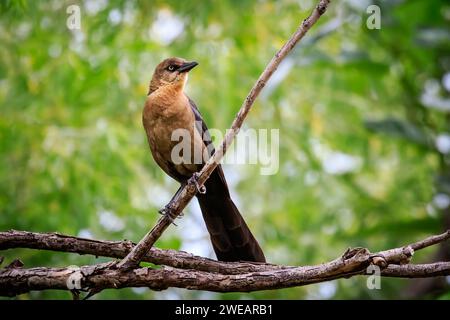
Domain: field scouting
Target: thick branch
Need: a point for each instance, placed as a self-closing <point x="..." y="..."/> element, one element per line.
<point x="182" y="198"/>
<point x="98" y="277"/>
<point x="210" y="275"/>
<point x="119" y="249"/>
<point x="177" y="259"/>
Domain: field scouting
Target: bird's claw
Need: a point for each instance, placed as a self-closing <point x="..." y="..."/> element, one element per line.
<point x="167" y="211"/>
<point x="200" y="189"/>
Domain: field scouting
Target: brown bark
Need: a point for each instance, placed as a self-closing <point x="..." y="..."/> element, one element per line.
<point x="99" y="277"/>
<point x="119" y="249"/>
<point x="201" y="273"/>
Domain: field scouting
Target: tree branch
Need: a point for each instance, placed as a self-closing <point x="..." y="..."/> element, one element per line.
<point x="196" y="273"/>
<point x="176" y="259"/>
<point x="119" y="249"/>
<point x="16" y="280"/>
<point x="19" y="281"/>
<point x="182" y="198"/>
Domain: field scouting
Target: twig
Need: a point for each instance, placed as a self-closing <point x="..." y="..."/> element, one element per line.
<point x="181" y="199"/>
<point x="431" y="241"/>
<point x="417" y="270"/>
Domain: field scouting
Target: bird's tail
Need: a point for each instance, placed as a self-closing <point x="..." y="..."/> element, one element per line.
<point x="230" y="236"/>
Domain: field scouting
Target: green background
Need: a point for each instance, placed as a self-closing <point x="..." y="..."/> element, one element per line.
<point x="363" y="115"/>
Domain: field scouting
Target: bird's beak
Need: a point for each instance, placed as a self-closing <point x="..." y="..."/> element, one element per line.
<point x="187" y="66"/>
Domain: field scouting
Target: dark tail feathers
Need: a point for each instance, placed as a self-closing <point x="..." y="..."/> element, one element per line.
<point x="231" y="238"/>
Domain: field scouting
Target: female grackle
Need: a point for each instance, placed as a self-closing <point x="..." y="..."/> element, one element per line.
<point x="168" y="109"/>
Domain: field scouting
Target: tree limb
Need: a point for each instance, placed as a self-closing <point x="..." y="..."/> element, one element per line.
<point x="199" y="273"/>
<point x="173" y="258"/>
<point x="119" y="249"/>
<point x="182" y="198"/>
<point x="19" y="281"/>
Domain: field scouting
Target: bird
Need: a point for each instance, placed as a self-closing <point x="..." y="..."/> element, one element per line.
<point x="167" y="108"/>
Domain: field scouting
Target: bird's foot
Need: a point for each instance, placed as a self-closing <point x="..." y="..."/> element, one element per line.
<point x="167" y="211"/>
<point x="200" y="189"/>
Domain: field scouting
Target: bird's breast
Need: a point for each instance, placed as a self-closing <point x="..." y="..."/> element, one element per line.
<point x="166" y="122"/>
<point x="163" y="116"/>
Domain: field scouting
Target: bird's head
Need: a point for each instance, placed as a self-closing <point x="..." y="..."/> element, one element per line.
<point x="171" y="72"/>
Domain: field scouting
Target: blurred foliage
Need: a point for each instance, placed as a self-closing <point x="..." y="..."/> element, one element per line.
<point x="359" y="159"/>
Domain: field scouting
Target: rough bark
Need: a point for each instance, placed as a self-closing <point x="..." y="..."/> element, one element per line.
<point x="99" y="277"/>
<point x="201" y="273"/>
<point x="119" y="249"/>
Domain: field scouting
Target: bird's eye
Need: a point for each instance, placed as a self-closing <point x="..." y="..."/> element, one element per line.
<point x="171" y="67"/>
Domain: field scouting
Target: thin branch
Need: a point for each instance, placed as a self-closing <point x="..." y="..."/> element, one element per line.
<point x="431" y="240"/>
<point x="417" y="270"/>
<point x="181" y="199"/>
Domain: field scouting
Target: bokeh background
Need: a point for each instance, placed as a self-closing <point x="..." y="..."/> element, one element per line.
<point x="364" y="120"/>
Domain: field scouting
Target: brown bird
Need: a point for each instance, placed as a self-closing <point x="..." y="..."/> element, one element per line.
<point x="167" y="109"/>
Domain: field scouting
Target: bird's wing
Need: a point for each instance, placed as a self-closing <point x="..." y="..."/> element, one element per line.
<point x="201" y="127"/>
<point x="203" y="130"/>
